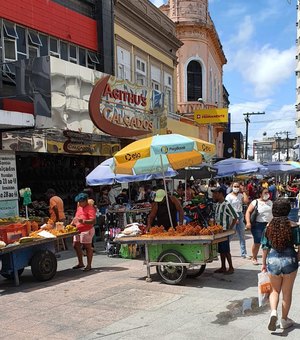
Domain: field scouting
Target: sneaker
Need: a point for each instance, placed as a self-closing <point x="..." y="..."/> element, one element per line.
<point x="273" y="321"/>
<point x="247" y="257"/>
<point x="286" y="323"/>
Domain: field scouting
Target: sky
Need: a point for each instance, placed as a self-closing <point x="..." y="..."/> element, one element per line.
<point x="259" y="42"/>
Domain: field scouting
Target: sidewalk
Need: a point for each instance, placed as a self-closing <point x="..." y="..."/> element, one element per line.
<point x="114" y="301"/>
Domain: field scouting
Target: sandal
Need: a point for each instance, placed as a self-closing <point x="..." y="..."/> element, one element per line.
<point x="78" y="266"/>
<point x="87" y="269"/>
<point x="229" y="272"/>
<point x="254" y="262"/>
<point x="220" y="270"/>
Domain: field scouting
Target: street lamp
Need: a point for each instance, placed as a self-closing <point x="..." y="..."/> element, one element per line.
<point x="209" y="129"/>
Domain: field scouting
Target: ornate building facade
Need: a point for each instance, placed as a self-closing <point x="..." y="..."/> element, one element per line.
<point x="200" y="61"/>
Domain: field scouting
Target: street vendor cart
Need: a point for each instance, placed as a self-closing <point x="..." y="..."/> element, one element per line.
<point x="38" y="253"/>
<point x="176" y="257"/>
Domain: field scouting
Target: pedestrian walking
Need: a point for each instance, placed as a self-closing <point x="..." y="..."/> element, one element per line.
<point x="263" y="204"/>
<point x="237" y="198"/>
<point x="280" y="260"/>
<point x="225" y="216"/>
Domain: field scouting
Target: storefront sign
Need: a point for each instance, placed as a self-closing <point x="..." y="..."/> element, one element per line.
<point x="211" y="116"/>
<point x="8" y="177"/>
<point x="123" y="109"/>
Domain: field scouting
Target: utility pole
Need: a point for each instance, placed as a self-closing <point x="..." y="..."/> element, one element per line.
<point x="247" y="120"/>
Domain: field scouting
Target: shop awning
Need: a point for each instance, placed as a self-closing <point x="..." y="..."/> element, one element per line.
<point x="15" y="120"/>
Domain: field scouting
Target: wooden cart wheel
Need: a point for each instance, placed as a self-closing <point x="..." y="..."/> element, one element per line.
<point x="11" y="275"/>
<point x="196" y="271"/>
<point x="169" y="273"/>
<point x="43" y="265"/>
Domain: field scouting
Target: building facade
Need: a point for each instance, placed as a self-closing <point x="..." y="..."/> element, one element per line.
<point x="200" y="61"/>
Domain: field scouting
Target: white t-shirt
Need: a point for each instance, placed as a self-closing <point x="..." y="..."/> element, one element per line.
<point x="264" y="210"/>
<point x="236" y="201"/>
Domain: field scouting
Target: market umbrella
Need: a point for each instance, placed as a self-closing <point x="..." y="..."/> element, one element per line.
<point x="157" y="153"/>
<point x="198" y="172"/>
<point x="295" y="165"/>
<point x="104" y="175"/>
<point x="237" y="166"/>
<point x="278" y="167"/>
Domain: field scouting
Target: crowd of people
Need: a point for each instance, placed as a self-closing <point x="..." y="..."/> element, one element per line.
<point x="262" y="207"/>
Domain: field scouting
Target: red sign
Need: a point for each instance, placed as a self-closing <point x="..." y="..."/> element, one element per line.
<point x="120" y="108"/>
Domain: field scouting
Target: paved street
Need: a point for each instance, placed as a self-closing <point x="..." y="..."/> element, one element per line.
<point x="114" y="302"/>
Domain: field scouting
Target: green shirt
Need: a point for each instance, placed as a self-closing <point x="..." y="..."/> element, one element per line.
<point x="225" y="214"/>
<point x="266" y="244"/>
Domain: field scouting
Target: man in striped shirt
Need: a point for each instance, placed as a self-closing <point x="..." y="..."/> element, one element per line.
<point x="225" y="216"/>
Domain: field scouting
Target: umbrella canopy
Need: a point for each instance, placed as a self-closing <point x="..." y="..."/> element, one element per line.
<point x="295" y="165"/>
<point x="236" y="166"/>
<point x="157" y="153"/>
<point x="278" y="167"/>
<point x="202" y="171"/>
<point x="104" y="175"/>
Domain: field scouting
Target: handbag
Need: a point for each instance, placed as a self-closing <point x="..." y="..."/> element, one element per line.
<point x="254" y="214"/>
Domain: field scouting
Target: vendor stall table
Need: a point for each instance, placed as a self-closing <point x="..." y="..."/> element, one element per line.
<point x="39" y="254"/>
<point x="175" y="257"/>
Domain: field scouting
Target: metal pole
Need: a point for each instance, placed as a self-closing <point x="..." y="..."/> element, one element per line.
<point x="247" y="120"/>
<point x="287" y="146"/>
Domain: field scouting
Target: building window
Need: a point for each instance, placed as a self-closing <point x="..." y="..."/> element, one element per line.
<point x="155" y="78"/>
<point x="33" y="52"/>
<point x="64" y="50"/>
<point x="44" y="48"/>
<point x="194" y="81"/>
<point x="92" y="60"/>
<point x="34" y="38"/>
<point x="168" y="92"/>
<point x="10" y="30"/>
<point x="123" y="63"/>
<point x="10" y="50"/>
<point x="54" y="49"/>
<point x="140" y="71"/>
<point x="73" y="54"/>
<point x="82" y="57"/>
<point x="21" y="42"/>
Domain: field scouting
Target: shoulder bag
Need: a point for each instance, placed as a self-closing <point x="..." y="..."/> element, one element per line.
<point x="254" y="214"/>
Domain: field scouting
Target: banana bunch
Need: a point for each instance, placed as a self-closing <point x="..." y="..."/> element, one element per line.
<point x="70" y="228"/>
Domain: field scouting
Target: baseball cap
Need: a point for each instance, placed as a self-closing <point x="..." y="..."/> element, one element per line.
<point x="160" y="195"/>
<point x="219" y="189"/>
<point x="81" y="197"/>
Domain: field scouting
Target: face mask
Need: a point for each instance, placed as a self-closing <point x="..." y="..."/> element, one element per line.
<point x="236" y="190"/>
<point x="266" y="197"/>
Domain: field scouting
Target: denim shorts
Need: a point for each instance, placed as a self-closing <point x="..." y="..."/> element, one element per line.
<point x="257" y="231"/>
<point x="224" y="247"/>
<point x="284" y="262"/>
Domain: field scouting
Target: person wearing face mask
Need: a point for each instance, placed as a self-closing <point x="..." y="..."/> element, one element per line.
<point x="264" y="216"/>
<point x="237" y="198"/>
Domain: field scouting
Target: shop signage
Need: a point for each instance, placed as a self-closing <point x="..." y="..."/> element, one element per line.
<point x="8" y="177"/>
<point x="9" y="209"/>
<point x="123" y="109"/>
<point x="211" y="116"/>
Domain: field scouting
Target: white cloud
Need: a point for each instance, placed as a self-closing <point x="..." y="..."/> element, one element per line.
<point x="245" y="32"/>
<point x="265" y="68"/>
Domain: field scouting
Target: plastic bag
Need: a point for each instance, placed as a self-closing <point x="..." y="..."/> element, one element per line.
<point x="264" y="288"/>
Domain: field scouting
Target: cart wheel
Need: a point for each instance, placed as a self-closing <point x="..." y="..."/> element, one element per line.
<point x="11" y="275"/>
<point x="169" y="273"/>
<point x="196" y="271"/>
<point x="43" y="265"/>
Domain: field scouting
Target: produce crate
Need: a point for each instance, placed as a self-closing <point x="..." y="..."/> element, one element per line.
<point x="12" y="232"/>
<point x="191" y="252"/>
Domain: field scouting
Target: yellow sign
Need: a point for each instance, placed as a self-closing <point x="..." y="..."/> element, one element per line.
<point x="210" y="116"/>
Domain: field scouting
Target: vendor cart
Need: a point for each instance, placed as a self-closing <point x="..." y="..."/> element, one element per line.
<point x="39" y="254"/>
<point x="176" y="257"/>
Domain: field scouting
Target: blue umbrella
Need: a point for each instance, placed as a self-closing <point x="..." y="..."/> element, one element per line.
<point x="104" y="175"/>
<point x="236" y="166"/>
<point x="278" y="167"/>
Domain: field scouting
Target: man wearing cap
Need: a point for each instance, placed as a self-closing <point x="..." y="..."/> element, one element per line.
<point x="56" y="206"/>
<point x="159" y="210"/>
<point x="84" y="220"/>
<point x="225" y="216"/>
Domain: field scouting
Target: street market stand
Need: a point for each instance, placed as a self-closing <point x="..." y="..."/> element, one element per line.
<point x="39" y="254"/>
<point x="176" y="257"/>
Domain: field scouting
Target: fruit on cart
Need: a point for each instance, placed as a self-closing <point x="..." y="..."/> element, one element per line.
<point x="26" y="239"/>
<point x="2" y="244"/>
<point x="70" y="228"/>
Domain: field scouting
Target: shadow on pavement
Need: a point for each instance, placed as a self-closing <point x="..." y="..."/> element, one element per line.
<point x="28" y="283"/>
<point x="240" y="280"/>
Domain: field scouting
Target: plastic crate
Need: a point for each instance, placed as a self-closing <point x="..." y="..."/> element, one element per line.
<point x="12" y="232"/>
<point x="191" y="252"/>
